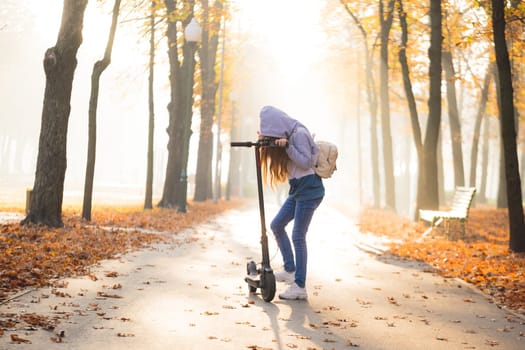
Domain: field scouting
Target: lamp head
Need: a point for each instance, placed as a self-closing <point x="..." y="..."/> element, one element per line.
<point x="192" y="32"/>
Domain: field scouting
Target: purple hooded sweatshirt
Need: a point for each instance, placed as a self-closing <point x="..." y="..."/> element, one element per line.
<point x="302" y="150"/>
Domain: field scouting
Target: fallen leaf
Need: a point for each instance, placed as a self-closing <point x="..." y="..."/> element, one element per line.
<point x="106" y="295"/>
<point x="124" y="335"/>
<point x="392" y="301"/>
<point x="56" y="339"/>
<point x="16" y="339"/>
<point x="351" y="344"/>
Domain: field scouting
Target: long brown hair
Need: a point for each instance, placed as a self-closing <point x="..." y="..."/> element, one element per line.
<point x="274" y="165"/>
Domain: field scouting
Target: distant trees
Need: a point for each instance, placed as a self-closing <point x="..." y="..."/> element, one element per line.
<point x="480" y="115"/>
<point x="59" y="65"/>
<point x="441" y="57"/>
<point x="371" y="96"/>
<point x="415" y="76"/>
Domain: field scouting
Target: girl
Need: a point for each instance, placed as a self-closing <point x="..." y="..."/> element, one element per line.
<point x="293" y="159"/>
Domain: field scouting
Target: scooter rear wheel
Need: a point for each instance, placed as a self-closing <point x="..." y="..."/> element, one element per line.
<point x="251" y="270"/>
<point x="267" y="285"/>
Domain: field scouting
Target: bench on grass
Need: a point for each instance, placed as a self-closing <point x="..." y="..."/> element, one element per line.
<point x="458" y="212"/>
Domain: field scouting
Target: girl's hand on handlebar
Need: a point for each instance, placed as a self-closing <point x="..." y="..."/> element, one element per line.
<point x="281" y="142"/>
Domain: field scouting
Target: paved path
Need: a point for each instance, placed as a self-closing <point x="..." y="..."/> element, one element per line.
<point x="191" y="295"/>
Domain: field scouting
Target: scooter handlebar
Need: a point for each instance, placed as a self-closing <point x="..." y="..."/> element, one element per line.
<point x="243" y="144"/>
<point x="258" y="143"/>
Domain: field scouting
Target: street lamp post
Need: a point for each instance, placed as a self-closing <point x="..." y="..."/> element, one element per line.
<point x="217" y="192"/>
<point x="192" y="35"/>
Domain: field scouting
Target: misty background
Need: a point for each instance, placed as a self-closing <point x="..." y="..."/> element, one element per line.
<point x="307" y="63"/>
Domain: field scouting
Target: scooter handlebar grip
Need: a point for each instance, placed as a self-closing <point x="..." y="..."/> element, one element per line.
<point x="241" y="144"/>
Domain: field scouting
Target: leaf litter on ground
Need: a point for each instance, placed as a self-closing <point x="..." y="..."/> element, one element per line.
<point x="33" y="256"/>
<point x="481" y="258"/>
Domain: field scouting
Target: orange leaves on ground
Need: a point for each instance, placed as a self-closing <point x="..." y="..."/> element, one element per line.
<point x="32" y="255"/>
<point x="387" y="223"/>
<point x="482" y="258"/>
<point x="160" y="219"/>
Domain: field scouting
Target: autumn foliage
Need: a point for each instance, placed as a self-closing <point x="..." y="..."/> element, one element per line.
<point x="481" y="258"/>
<point x="33" y="256"/>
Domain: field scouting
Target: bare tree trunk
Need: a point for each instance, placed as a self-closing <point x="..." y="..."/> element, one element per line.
<point x="508" y="131"/>
<point x="4" y="154"/>
<point x="234" y="164"/>
<point x="430" y="199"/>
<point x="455" y="124"/>
<point x="207" y="54"/>
<point x="388" y="159"/>
<point x="501" y="199"/>
<point x="477" y="127"/>
<point x="440" y="172"/>
<point x="148" y="198"/>
<point x="98" y="69"/>
<point x="175" y="125"/>
<point x="482" y="193"/>
<point x="59" y="65"/>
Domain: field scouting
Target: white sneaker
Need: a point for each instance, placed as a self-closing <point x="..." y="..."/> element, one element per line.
<point x="294" y="292"/>
<point x="285" y="276"/>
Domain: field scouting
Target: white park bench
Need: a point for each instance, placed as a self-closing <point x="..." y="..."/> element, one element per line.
<point x="458" y="212"/>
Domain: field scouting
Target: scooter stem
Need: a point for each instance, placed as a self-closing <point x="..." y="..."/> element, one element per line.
<point x="264" y="237"/>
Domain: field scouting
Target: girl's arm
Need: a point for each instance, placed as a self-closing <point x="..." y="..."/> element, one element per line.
<point x="300" y="150"/>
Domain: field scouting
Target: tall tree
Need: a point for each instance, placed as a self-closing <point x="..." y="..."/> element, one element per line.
<point x="148" y="197"/>
<point x="508" y="130"/>
<point x="501" y="199"/>
<point x="188" y="79"/>
<point x="409" y="93"/>
<point x="386" y="18"/>
<point x="98" y="68"/>
<point x="60" y="63"/>
<point x="176" y="108"/>
<point x="208" y="53"/>
<point x="429" y="199"/>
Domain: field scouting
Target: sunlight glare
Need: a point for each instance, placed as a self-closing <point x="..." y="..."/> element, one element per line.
<point x="47" y="16"/>
<point x="289" y="29"/>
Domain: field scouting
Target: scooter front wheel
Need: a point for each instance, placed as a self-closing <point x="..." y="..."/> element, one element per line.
<point x="267" y="285"/>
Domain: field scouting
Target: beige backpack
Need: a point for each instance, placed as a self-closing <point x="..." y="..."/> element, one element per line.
<point x="326" y="159"/>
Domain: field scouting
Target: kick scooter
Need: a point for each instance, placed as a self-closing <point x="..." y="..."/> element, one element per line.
<point x="260" y="277"/>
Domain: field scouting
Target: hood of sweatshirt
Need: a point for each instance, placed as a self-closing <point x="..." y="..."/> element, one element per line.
<point x="276" y="123"/>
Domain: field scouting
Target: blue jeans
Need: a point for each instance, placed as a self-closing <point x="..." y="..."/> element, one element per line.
<point x="301" y="212"/>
